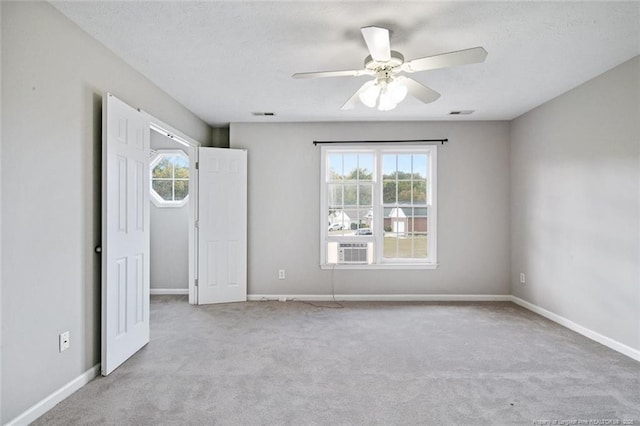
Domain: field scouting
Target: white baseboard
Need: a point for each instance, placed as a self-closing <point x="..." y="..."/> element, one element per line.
<point x="384" y="297"/>
<point x="587" y="332"/>
<point x="54" y="398"/>
<point x="169" y="291"/>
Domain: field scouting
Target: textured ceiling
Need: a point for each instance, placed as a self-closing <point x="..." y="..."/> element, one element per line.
<point x="225" y="60"/>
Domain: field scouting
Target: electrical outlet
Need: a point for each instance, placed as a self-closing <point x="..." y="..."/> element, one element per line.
<point x="281" y="274"/>
<point x="522" y="278"/>
<point x="64" y="341"/>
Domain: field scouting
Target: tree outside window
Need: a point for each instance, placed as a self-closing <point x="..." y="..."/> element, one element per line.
<point x="170" y="179"/>
<point x="381" y="196"/>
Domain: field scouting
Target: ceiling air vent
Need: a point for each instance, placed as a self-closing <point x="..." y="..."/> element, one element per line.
<point x="263" y="114"/>
<point x="463" y="112"/>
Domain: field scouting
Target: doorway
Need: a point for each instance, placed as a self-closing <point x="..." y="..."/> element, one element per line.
<point x="173" y="212"/>
<point x="217" y="226"/>
<point x="169" y="216"/>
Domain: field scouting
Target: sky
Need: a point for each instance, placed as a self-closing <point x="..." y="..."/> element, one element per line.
<point x="408" y="163"/>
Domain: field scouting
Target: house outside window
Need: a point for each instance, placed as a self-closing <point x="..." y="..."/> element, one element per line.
<point x="378" y="206"/>
<point x="169" y="171"/>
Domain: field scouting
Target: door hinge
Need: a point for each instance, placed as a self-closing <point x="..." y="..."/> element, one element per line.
<point x="197" y="165"/>
<point x="196" y="282"/>
<point x="197" y="224"/>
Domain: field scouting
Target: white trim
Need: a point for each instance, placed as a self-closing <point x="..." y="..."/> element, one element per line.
<point x="169" y="291"/>
<point x="170" y="132"/>
<point x="407" y="265"/>
<point x="378" y="206"/>
<point x="156" y="199"/>
<point x="384" y="297"/>
<point x="193" y="146"/>
<point x="587" y="332"/>
<point x="56" y="397"/>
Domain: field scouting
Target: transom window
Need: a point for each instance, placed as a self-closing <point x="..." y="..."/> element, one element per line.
<point x="170" y="178"/>
<point x="379" y="206"/>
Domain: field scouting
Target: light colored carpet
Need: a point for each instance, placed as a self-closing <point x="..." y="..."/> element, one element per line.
<point x="291" y="363"/>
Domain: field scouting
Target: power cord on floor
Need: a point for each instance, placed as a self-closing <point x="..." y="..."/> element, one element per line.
<point x="333" y="296"/>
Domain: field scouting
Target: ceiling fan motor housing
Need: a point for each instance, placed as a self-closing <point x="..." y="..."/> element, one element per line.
<point x="396" y="60"/>
<point x="387" y="89"/>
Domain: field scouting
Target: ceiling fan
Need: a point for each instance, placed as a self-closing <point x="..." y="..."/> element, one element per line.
<point x="388" y="88"/>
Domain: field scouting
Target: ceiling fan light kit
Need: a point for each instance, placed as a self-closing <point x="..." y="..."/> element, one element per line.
<point x="388" y="89"/>
<point x="386" y="94"/>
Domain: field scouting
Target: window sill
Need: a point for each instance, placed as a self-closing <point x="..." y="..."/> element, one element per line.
<point x="381" y="266"/>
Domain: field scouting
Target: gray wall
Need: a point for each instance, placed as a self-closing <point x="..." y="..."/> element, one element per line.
<point x="169" y="235"/>
<point x="52" y="80"/>
<point x="1" y="324"/>
<point x="575" y="197"/>
<point x="575" y="201"/>
<point x="169" y="247"/>
<point x="284" y="211"/>
<point x="220" y="137"/>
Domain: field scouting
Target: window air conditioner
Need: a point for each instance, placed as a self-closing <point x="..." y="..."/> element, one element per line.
<point x="353" y="253"/>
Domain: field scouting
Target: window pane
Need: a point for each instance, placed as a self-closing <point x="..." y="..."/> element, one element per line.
<point x="389" y="166"/>
<point x="404" y="192"/>
<point x="350" y="162"/>
<point x="420" y="191"/>
<point x="390" y="248"/>
<point x="410" y="246"/>
<point x="164" y="169"/>
<point x="334" y="163"/>
<point x="181" y="189"/>
<point x="420" y="211"/>
<point x="395" y="220"/>
<point x="350" y="195"/>
<point x="404" y="247"/>
<point x="163" y="189"/>
<point x="419" y="245"/>
<point x="361" y="222"/>
<point x="181" y="171"/>
<point x="334" y="195"/>
<point x="418" y="220"/>
<point x="365" y="166"/>
<point x="404" y="166"/>
<point x="389" y="192"/>
<point x="180" y="161"/>
<point x="339" y="220"/>
<point x="365" y="195"/>
<point x="419" y="166"/>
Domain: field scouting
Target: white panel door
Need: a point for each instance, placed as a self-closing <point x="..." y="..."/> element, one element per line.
<point x="222" y="226"/>
<point x="125" y="232"/>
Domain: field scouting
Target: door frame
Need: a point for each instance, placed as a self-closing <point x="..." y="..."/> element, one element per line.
<point x="192" y="146"/>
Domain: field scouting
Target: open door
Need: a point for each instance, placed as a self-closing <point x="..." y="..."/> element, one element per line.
<point x="125" y="232"/>
<point x="222" y="225"/>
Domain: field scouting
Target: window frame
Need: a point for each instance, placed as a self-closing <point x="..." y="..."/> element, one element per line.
<point x="377" y="239"/>
<point x="156" y="199"/>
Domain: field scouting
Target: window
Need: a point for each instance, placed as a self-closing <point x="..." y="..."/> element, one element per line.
<point x="170" y="179"/>
<point x="379" y="206"/>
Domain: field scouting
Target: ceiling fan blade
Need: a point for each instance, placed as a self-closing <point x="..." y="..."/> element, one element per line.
<point x="377" y="40"/>
<point x="346" y="73"/>
<point x="418" y="90"/>
<point x="451" y="59"/>
<point x="351" y="102"/>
